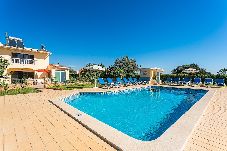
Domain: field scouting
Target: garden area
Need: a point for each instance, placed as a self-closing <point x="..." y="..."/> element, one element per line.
<point x="19" y="91"/>
<point x="88" y="75"/>
<point x="6" y="89"/>
<point x="180" y="72"/>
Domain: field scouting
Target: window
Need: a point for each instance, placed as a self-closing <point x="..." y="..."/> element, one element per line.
<point x="22" y="58"/>
<point x="30" y="56"/>
<point x="15" y="55"/>
<point x="25" y="56"/>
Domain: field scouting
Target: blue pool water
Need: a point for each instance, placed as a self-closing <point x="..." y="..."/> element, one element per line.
<point x="139" y="113"/>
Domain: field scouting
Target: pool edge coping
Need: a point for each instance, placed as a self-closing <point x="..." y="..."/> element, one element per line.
<point x="121" y="141"/>
<point x="87" y="127"/>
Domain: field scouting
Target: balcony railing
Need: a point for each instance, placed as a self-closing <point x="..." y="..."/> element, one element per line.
<point x="23" y="61"/>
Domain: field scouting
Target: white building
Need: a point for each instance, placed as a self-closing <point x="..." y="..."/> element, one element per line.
<point x="190" y="70"/>
<point x="150" y="74"/>
<point x="95" y="67"/>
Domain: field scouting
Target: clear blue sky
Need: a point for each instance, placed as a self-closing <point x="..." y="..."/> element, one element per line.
<point x="158" y="33"/>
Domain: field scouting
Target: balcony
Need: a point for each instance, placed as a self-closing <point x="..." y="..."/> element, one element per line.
<point x="23" y="61"/>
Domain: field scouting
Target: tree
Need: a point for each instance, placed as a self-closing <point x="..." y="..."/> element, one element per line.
<point x="72" y="74"/>
<point x="222" y="71"/>
<point x="88" y="74"/>
<point x="201" y="71"/>
<point x="3" y="65"/>
<point x="180" y="69"/>
<point x="123" y="67"/>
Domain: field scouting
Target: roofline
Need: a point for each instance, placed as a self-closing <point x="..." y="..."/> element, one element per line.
<point x="152" y="68"/>
<point x="25" y="49"/>
<point x="59" y="66"/>
<point x="158" y="69"/>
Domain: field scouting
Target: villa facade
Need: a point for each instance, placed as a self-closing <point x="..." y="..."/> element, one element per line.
<point x="28" y="64"/>
<point x="24" y="63"/>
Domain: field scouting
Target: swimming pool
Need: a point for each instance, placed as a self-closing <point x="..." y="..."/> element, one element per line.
<point x="143" y="114"/>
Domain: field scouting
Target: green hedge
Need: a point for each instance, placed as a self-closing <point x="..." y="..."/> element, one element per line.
<point x="213" y="76"/>
<point x="70" y="86"/>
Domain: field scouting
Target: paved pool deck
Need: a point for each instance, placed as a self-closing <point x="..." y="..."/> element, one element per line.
<point x="210" y="133"/>
<point x="31" y="122"/>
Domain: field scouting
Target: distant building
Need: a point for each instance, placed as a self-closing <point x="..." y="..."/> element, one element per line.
<point x="150" y="74"/>
<point x="95" y="67"/>
<point x="190" y="70"/>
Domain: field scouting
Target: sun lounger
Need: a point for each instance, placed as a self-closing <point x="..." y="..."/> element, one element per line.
<point x="197" y="81"/>
<point x="111" y="83"/>
<point x="102" y="83"/>
<point x="168" y="81"/>
<point x="186" y="81"/>
<point x="126" y="81"/>
<point x="143" y="81"/>
<point x="220" y="82"/>
<point x="176" y="81"/>
<point x="208" y="81"/>
<point x="119" y="81"/>
<point x="132" y="81"/>
<point x="136" y="81"/>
